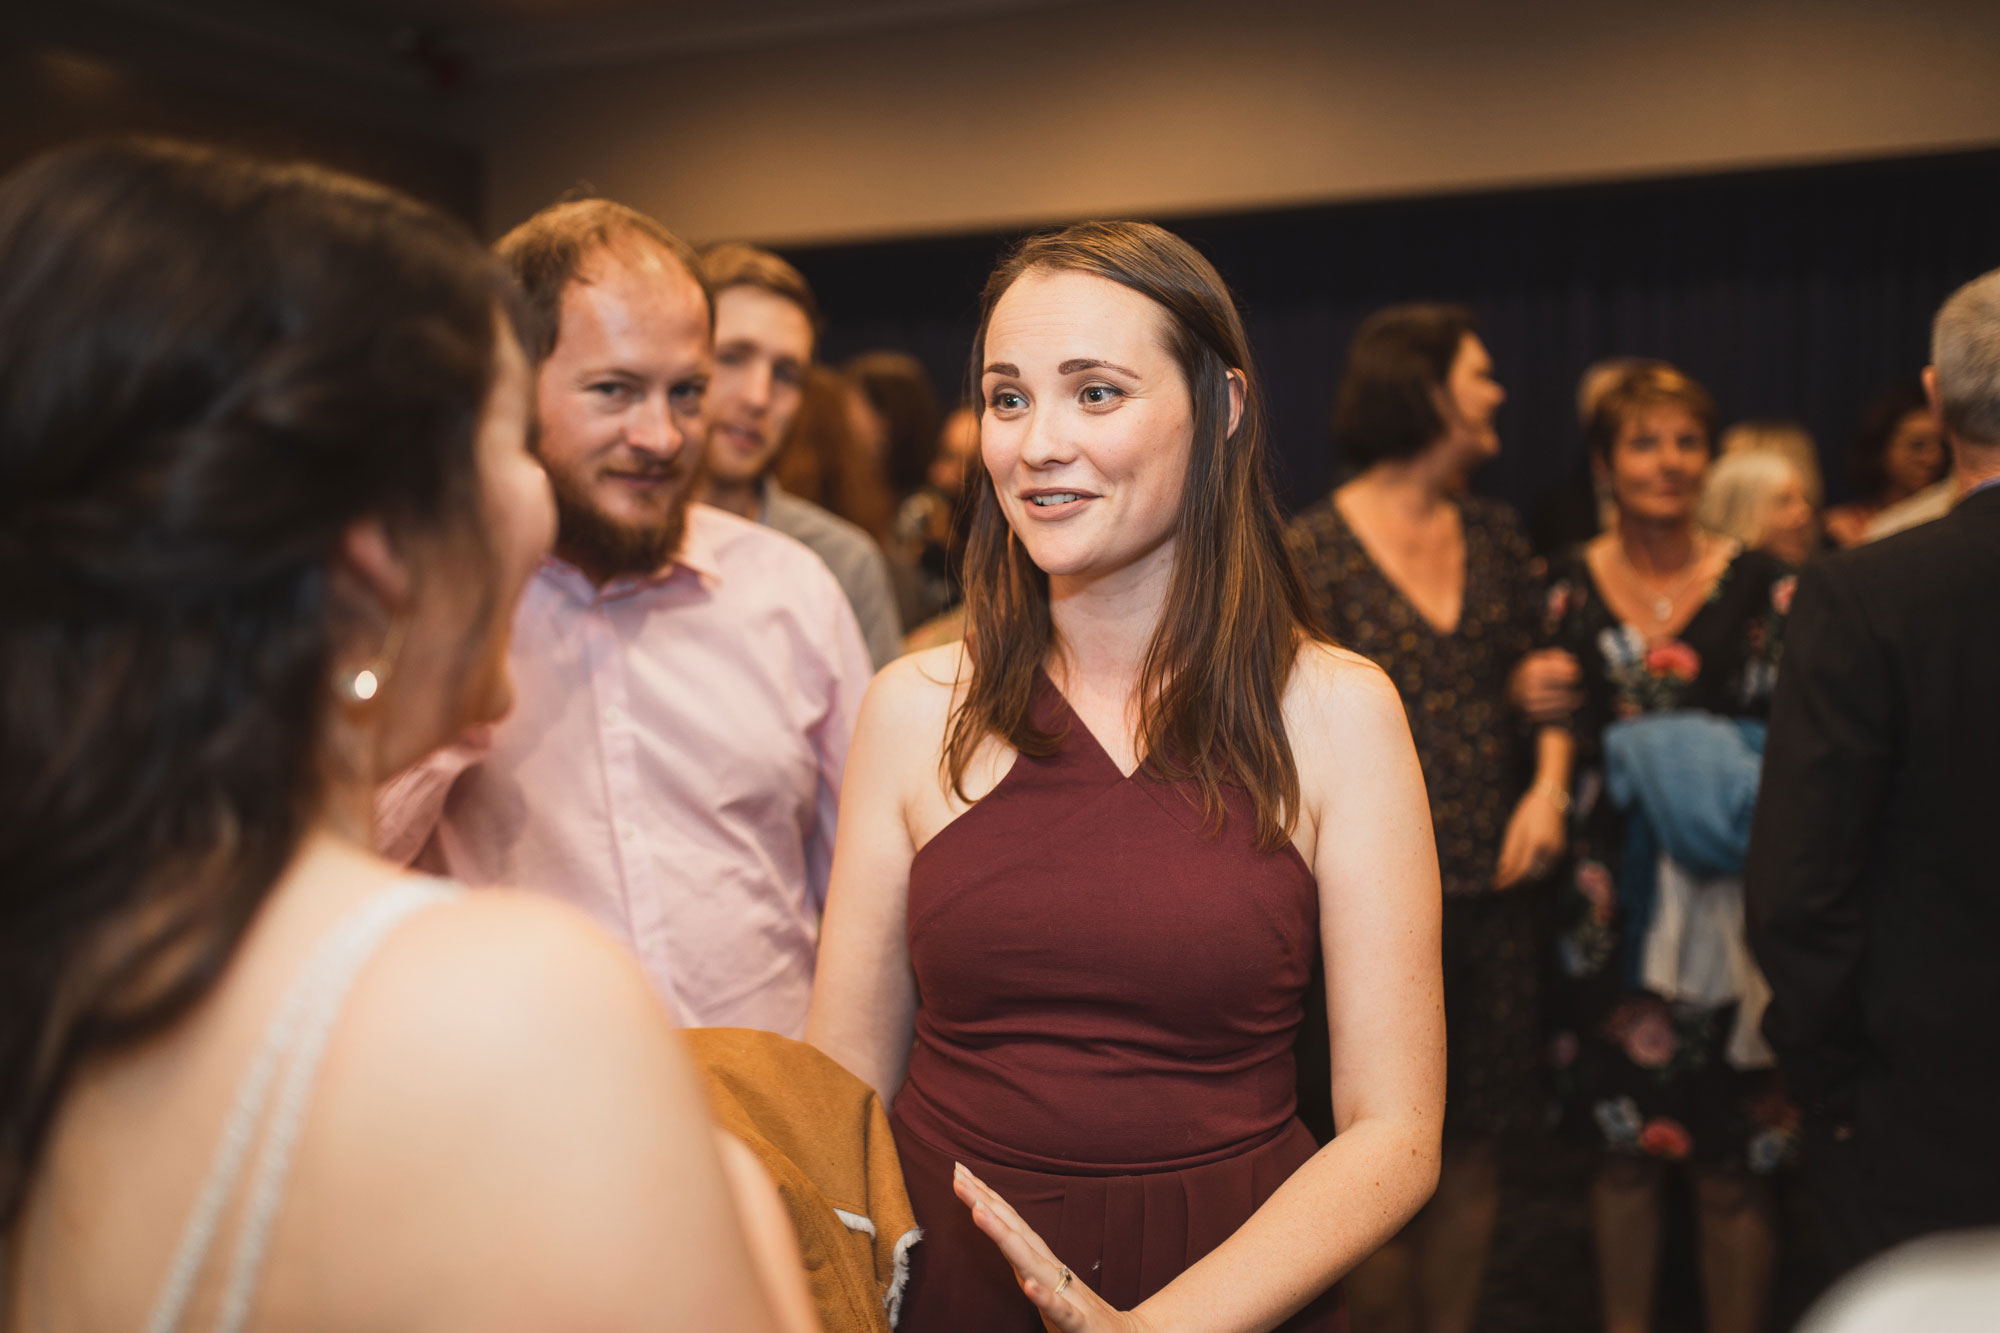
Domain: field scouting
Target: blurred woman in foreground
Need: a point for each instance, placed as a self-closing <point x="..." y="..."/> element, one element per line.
<point x="266" y="506"/>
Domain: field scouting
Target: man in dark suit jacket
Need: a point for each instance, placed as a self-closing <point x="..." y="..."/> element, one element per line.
<point x="1873" y="882"/>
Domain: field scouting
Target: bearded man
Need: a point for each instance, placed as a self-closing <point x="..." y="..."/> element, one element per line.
<point x="686" y="682"/>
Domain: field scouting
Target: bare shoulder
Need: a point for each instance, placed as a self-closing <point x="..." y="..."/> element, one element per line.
<point x="500" y="941"/>
<point x="500" y="987"/>
<point x="900" y="744"/>
<point x="504" y="1084"/>
<point x="1333" y="691"/>
<point x="1346" y="725"/>
<point x="911" y="698"/>
<point x="934" y="676"/>
<point x="497" y="994"/>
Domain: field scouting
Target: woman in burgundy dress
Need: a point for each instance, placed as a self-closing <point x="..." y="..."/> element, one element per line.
<point x="1088" y="858"/>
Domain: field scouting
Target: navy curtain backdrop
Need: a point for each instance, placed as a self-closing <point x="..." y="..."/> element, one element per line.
<point x="1797" y="294"/>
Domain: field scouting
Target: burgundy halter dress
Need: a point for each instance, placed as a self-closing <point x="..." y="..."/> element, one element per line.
<point x="1106" y="1002"/>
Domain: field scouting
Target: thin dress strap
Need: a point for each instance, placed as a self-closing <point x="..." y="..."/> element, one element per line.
<point x="300" y="1030"/>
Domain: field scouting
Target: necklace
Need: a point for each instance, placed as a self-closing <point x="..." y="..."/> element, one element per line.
<point x="1662" y="603"/>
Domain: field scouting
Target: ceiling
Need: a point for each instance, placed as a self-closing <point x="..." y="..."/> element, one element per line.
<point x="499" y="38"/>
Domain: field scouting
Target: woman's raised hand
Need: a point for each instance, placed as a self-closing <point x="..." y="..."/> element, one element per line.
<point x="1546" y="685"/>
<point x="1066" y="1306"/>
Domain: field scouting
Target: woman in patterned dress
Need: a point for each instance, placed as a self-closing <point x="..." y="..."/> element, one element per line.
<point x="1663" y="617"/>
<point x="1438" y="588"/>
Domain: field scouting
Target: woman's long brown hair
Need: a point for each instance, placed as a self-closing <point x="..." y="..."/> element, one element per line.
<point x="1212" y="685"/>
<point x="824" y="461"/>
<point x="210" y="369"/>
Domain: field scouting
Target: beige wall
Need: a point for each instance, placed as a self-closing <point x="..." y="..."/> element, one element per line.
<point x="1112" y="107"/>
<point x="52" y="94"/>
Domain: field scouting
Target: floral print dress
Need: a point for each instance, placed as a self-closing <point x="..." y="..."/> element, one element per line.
<point x="1636" y="1073"/>
<point x="1470" y="744"/>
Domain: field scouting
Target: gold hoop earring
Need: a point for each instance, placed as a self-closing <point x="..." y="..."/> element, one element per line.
<point x="366" y="682"/>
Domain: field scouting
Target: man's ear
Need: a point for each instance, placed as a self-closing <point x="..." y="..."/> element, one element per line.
<point x="1238" y="390"/>
<point x="369" y="557"/>
<point x="1932" y="394"/>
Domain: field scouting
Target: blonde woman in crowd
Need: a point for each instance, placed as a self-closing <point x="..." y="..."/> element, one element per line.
<point x="1789" y="438"/>
<point x="1759" y="497"/>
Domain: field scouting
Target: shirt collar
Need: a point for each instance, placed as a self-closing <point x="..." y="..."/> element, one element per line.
<point x="696" y="558"/>
<point x="698" y="554"/>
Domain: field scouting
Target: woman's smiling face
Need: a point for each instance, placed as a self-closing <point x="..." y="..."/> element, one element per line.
<point x="1087" y="423"/>
<point x="1657" y="463"/>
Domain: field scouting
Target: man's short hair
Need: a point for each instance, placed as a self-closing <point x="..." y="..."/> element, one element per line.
<point x="1965" y="348"/>
<point x="547" y="252"/>
<point x="733" y="264"/>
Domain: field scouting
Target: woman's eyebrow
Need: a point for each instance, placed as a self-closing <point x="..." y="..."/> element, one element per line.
<point x="1069" y="367"/>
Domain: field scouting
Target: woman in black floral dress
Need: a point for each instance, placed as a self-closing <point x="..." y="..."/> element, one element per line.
<point x="1663" y="618"/>
<point x="1438" y="588"/>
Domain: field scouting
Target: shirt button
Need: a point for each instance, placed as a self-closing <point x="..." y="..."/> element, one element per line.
<point x="613" y="714"/>
<point x="626" y="831"/>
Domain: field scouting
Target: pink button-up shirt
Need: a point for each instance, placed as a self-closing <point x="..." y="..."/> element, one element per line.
<point x="671" y="766"/>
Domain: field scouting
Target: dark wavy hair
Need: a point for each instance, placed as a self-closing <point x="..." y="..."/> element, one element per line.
<point x="1867" y="457"/>
<point x="1399" y="361"/>
<point x="210" y="367"/>
<point x="899" y="389"/>
<point x="1212" y="685"/>
<point x="823" y="460"/>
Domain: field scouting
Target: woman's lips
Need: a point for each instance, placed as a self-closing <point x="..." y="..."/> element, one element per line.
<point x="1048" y="505"/>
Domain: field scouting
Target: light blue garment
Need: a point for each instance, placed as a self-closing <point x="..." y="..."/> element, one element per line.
<point x="1690" y="781"/>
<point x="1693" y="776"/>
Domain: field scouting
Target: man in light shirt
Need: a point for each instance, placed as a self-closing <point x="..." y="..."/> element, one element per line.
<point x="766" y="325"/>
<point x="685" y="682"/>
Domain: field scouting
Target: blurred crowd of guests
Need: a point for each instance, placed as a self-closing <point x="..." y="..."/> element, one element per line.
<point x="1665" y="597"/>
<point x="865" y="442"/>
<point x="1162" y="906"/>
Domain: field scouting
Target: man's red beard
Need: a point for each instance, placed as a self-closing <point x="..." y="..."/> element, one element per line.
<point x="605" y="547"/>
